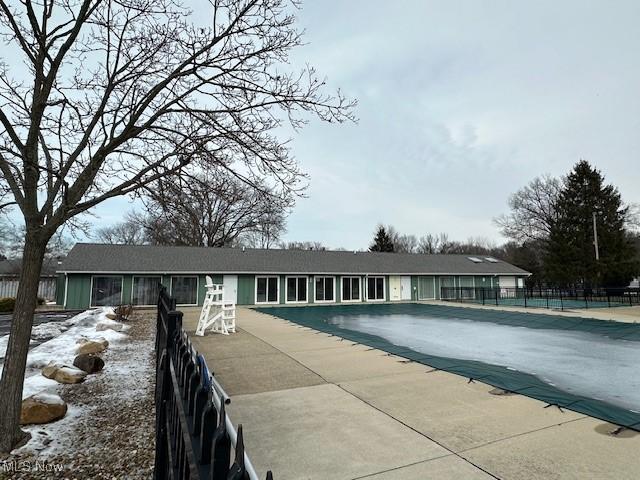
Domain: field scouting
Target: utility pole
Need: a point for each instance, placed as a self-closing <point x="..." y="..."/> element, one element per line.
<point x="595" y="237"/>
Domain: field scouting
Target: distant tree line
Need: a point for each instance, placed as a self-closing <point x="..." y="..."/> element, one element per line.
<point x="550" y="227"/>
<point x="551" y="224"/>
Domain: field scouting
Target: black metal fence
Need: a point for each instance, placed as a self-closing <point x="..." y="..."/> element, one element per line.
<point x="194" y="437"/>
<point x="554" y="298"/>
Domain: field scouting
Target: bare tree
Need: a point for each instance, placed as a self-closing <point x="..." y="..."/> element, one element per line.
<point x="129" y="232"/>
<point x="209" y="209"/>
<point x="533" y="210"/>
<point x="402" y="243"/>
<point x="268" y="232"/>
<point x="107" y="97"/>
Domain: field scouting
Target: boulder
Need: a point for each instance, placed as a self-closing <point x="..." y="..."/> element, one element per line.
<point x="92" y="346"/>
<point x="50" y="370"/>
<point x="88" y="362"/>
<point x="115" y="326"/>
<point x="42" y="408"/>
<point x="111" y="316"/>
<point x="63" y="373"/>
<point x="69" y="375"/>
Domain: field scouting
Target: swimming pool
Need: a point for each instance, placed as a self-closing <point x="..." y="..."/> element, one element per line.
<point x="586" y="365"/>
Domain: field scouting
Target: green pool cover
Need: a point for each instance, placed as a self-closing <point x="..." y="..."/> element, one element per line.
<point x="317" y="317"/>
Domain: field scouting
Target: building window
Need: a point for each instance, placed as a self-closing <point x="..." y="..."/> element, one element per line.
<point x="350" y="289"/>
<point x="447" y="287"/>
<point x="375" y="288"/>
<point x="145" y="290"/>
<point x="324" y="289"/>
<point x="106" y="291"/>
<point x="185" y="290"/>
<point x="297" y="289"/>
<point x="267" y="289"/>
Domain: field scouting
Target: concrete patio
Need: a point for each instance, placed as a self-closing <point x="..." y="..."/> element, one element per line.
<point x="316" y="407"/>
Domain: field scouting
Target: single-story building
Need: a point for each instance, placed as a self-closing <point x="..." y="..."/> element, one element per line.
<point x="95" y="274"/>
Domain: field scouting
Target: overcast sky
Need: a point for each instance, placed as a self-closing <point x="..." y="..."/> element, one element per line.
<point x="460" y="104"/>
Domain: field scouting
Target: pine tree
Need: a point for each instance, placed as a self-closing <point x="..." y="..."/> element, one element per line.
<point x="570" y="256"/>
<point x="382" y="241"/>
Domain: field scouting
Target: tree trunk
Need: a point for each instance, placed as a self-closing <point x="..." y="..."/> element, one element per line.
<point x="16" y="357"/>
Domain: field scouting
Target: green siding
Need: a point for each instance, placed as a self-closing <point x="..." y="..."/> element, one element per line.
<point x="311" y="293"/>
<point x="387" y="290"/>
<point x="246" y="289"/>
<point x="127" y="283"/>
<point x="60" y="286"/>
<point x="283" y="288"/>
<point x="422" y="286"/>
<point x="79" y="286"/>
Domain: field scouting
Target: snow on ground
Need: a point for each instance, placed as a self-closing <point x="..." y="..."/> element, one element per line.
<point x="110" y="412"/>
<point x="62" y="348"/>
<point x="3" y="345"/>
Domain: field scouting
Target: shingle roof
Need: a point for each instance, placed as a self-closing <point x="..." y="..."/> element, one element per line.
<point x="12" y="267"/>
<point x="96" y="258"/>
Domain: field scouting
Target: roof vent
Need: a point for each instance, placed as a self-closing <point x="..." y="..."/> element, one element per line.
<point x="491" y="260"/>
<point x="475" y="259"/>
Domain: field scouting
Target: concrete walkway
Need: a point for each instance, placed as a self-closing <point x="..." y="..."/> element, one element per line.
<point x="316" y="407"/>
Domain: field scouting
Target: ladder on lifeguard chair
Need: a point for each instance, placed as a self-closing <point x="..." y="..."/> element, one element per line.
<point x="217" y="315"/>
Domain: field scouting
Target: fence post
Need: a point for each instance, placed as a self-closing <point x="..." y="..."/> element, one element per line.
<point x="524" y="293"/>
<point x="586" y="303"/>
<point x="546" y="294"/>
<point x="561" y="303"/>
<point x="482" y="290"/>
<point x="497" y="292"/>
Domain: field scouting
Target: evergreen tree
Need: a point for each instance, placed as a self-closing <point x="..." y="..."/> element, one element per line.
<point x="570" y="254"/>
<point x="382" y="241"/>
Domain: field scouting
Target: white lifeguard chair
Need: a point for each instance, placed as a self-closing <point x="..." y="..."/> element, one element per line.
<point x="217" y="315"/>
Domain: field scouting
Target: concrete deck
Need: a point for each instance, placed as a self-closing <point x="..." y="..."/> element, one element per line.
<point x="316" y="407"/>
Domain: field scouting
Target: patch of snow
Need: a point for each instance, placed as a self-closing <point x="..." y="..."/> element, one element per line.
<point x="48" y="398"/>
<point x="47" y="330"/>
<point x="4" y="341"/>
<point x="37" y="383"/>
<point x="62" y="349"/>
<point x="48" y="437"/>
<point x="71" y="370"/>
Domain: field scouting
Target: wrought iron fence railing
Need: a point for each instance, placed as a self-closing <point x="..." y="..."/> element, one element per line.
<point x="553" y="298"/>
<point x="194" y="437"/>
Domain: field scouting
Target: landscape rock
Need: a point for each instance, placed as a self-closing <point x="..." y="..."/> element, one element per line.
<point x="64" y="373"/>
<point x="50" y="370"/>
<point x="92" y="346"/>
<point x="69" y="375"/>
<point x="111" y="316"/>
<point x="115" y="326"/>
<point x="89" y="363"/>
<point x="42" y="408"/>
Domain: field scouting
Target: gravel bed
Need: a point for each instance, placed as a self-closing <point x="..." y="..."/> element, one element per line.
<point x="108" y="432"/>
